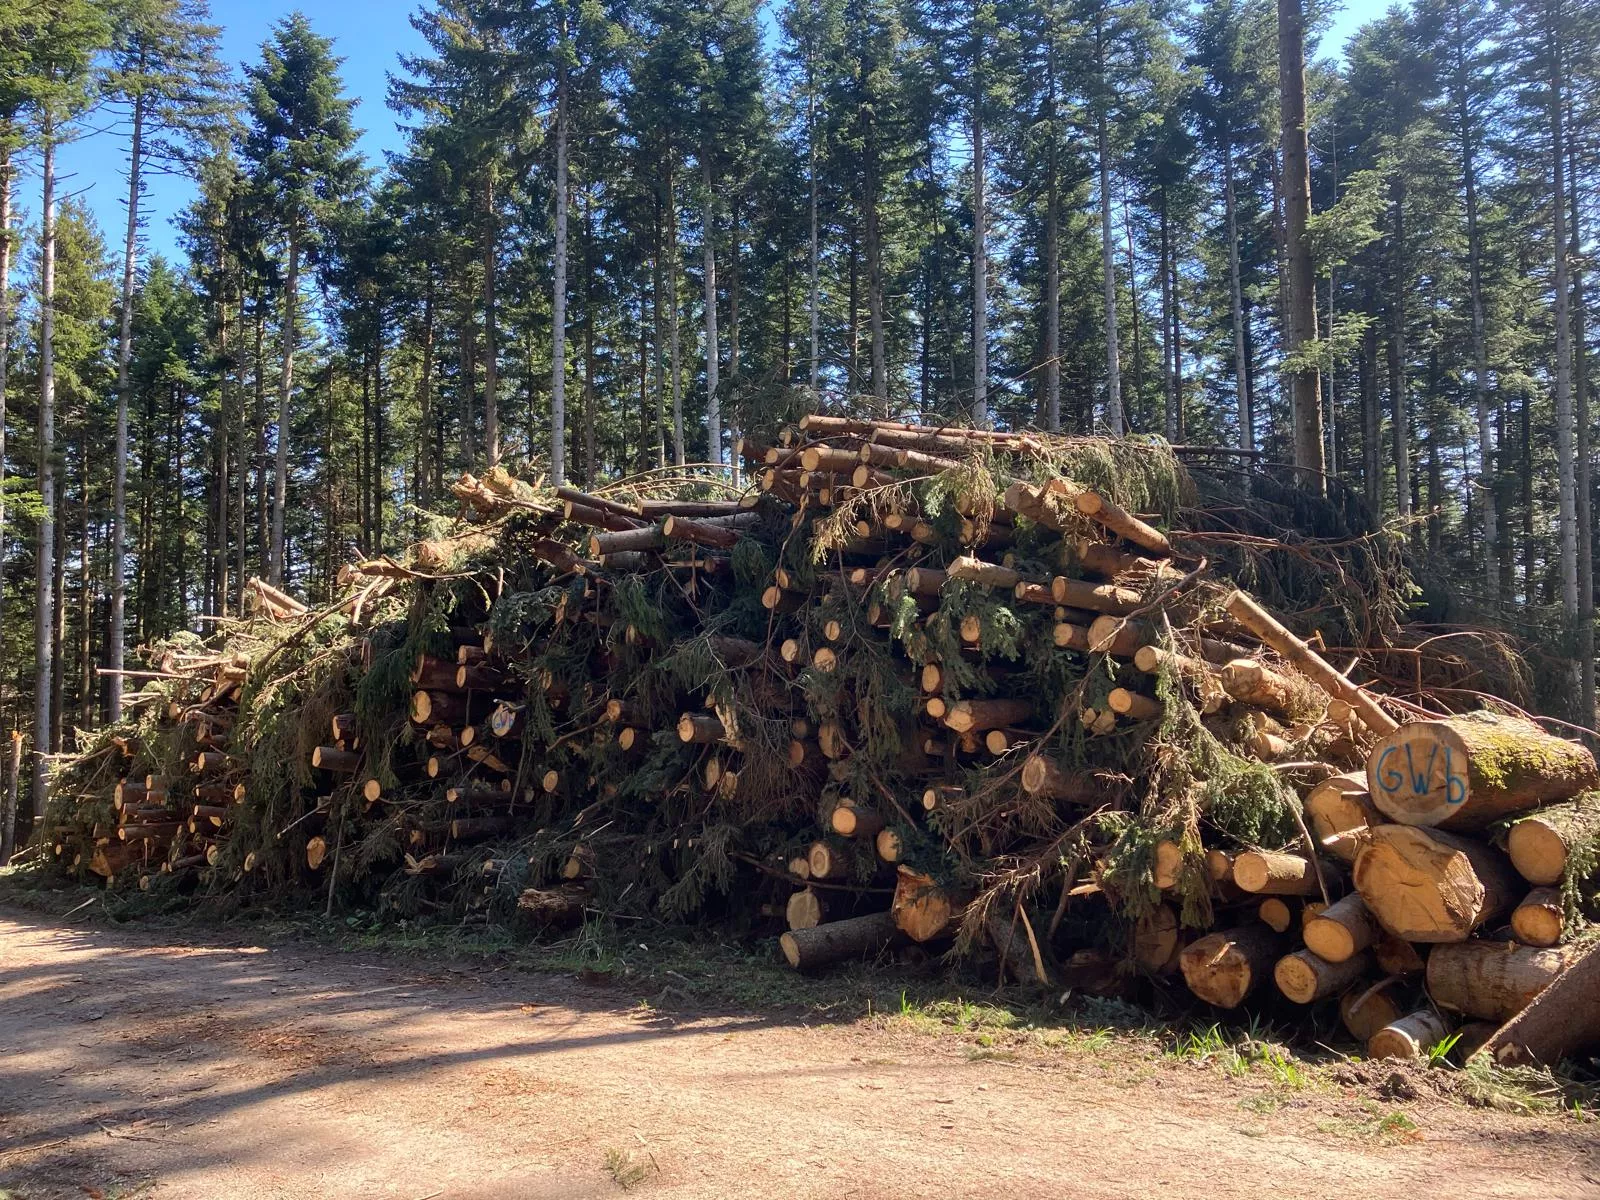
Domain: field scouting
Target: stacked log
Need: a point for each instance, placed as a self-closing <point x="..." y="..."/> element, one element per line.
<point x="834" y="698"/>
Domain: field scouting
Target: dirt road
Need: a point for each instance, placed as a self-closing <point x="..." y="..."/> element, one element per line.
<point x="133" y="1065"/>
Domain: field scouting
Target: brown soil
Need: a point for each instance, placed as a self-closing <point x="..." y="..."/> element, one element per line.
<point x="133" y="1065"/>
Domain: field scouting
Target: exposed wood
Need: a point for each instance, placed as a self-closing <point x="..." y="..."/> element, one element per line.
<point x="1426" y="886"/>
<point x="1342" y="930"/>
<point x="1538" y="920"/>
<point x="1225" y="967"/>
<point x="1305" y="978"/>
<point x="1366" y="1008"/>
<point x="1338" y="812"/>
<point x="1465" y="773"/>
<point x="1539" y="844"/>
<point x="1263" y="873"/>
<point x="1410" y="1037"/>
<point x="922" y="909"/>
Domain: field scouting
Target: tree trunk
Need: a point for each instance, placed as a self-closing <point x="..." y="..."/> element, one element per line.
<point x="708" y="221"/>
<point x="280" y="477"/>
<point x="589" y="399"/>
<point x="674" y="342"/>
<point x="491" y="348"/>
<point x="1582" y="481"/>
<point x="44" y="566"/>
<point x="115" y="636"/>
<point x="424" y="484"/>
<point x="5" y="344"/>
<point x="1169" y="399"/>
<point x="880" y="362"/>
<point x="1487" y="498"/>
<point x="1114" y="421"/>
<point x="1241" y="362"/>
<point x="558" y="303"/>
<point x="1465" y="773"/>
<point x="980" y="264"/>
<point x="813" y="303"/>
<point x="1052" y="242"/>
<point x="735" y="433"/>
<point x="1398" y="399"/>
<point x="1566" y="457"/>
<point x="1300" y="325"/>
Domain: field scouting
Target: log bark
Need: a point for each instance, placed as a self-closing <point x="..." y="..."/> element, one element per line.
<point x="1342" y="930"/>
<point x="1563" y="1019"/>
<point x="649" y="537"/>
<point x="1224" y="968"/>
<point x="1047" y="779"/>
<point x="1539" y="845"/>
<point x="854" y="937"/>
<point x="1305" y="978"/>
<point x="342" y="762"/>
<point x="1338" y="812"/>
<point x="1311" y="664"/>
<point x="1106" y="598"/>
<point x="1158" y="940"/>
<point x="1465" y="773"/>
<point x="1539" y="919"/>
<point x="1427" y="886"/>
<point x="1492" y="981"/>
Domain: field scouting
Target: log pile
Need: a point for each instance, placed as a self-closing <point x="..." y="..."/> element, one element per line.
<point x="910" y="688"/>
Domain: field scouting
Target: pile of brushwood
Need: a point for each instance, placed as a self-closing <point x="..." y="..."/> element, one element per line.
<point x="1092" y="714"/>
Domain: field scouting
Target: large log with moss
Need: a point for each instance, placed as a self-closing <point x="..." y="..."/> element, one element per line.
<point x="1465" y="773"/>
<point x="1542" y="844"/>
<point x="1224" y="968"/>
<point x="1426" y="886"/>
<point x="1492" y="981"/>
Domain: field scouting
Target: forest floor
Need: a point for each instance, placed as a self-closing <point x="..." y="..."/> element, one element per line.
<point x="169" y="1059"/>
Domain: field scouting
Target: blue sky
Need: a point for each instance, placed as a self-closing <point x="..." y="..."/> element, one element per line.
<point x="369" y="34"/>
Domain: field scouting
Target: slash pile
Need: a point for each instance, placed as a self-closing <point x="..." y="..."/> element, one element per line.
<point x="1021" y="697"/>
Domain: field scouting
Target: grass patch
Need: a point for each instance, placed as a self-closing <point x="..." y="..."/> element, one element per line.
<point x="626" y="1171"/>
